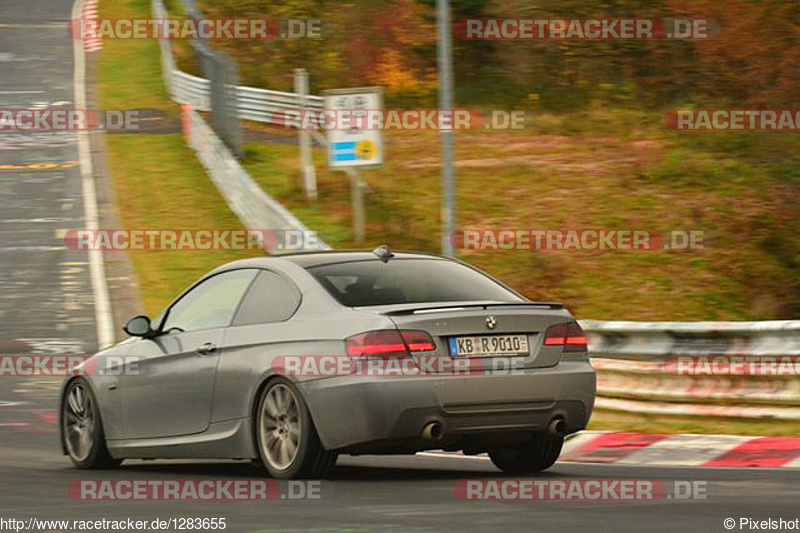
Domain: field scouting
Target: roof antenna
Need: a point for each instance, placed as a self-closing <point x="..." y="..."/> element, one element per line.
<point x="383" y="253"/>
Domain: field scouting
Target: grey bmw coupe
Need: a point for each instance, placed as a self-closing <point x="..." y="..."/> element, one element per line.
<point x="210" y="377"/>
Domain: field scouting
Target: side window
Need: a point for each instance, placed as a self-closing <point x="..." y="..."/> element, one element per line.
<point x="211" y="304"/>
<point x="271" y="299"/>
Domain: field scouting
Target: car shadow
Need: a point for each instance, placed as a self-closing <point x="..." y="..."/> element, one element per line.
<point x="351" y="473"/>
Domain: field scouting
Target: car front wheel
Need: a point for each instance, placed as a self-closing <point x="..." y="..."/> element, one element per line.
<point x="82" y="428"/>
<point x="288" y="443"/>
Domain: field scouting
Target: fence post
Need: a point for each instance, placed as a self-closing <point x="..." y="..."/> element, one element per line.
<point x="306" y="161"/>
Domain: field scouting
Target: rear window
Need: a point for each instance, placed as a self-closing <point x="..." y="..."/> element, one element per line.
<point x="400" y="281"/>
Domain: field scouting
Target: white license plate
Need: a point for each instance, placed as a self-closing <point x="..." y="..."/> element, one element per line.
<point x="489" y="345"/>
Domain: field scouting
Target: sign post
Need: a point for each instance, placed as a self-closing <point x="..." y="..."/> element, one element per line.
<point x="445" y="63"/>
<point x="357" y="202"/>
<point x="352" y="145"/>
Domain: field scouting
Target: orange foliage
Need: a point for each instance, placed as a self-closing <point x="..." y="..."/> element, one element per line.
<point x="755" y="58"/>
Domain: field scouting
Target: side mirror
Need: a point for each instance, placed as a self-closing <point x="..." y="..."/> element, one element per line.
<point x="139" y="326"/>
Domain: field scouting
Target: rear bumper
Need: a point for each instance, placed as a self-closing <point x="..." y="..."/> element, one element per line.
<point x="386" y="414"/>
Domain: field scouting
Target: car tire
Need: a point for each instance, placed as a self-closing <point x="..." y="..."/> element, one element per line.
<point x="82" y="428"/>
<point x="288" y="443"/>
<point x="537" y="454"/>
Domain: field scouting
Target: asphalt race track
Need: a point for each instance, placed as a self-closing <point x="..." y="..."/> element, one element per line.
<point x="46" y="303"/>
<point x="46" y="306"/>
<point x="388" y="494"/>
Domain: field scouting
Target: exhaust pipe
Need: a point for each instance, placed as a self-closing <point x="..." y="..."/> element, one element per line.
<point x="558" y="426"/>
<point x="431" y="431"/>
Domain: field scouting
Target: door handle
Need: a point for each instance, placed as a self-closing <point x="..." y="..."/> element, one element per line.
<point x="206" y="349"/>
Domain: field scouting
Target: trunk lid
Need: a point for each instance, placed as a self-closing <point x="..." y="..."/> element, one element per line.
<point x="446" y="321"/>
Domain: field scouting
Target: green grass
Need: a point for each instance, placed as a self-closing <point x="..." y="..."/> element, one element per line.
<point x="129" y="72"/>
<point x="628" y="422"/>
<point x="161" y="185"/>
<point x="599" y="156"/>
<point x="158" y="181"/>
<point x="579" y="176"/>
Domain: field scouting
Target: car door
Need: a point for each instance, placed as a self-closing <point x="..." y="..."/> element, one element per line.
<point x="261" y="330"/>
<point x="171" y="391"/>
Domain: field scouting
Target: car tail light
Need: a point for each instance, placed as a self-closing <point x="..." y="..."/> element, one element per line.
<point x="569" y="335"/>
<point x="418" y="341"/>
<point x="389" y="342"/>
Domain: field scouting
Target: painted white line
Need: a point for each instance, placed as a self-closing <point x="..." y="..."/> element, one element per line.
<point x="102" y="301"/>
<point x="792" y="464"/>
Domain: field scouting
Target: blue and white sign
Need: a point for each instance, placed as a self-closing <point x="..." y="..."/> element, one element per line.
<point x="353" y="141"/>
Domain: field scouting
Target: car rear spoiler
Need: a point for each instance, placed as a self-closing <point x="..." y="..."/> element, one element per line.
<point x="455" y="306"/>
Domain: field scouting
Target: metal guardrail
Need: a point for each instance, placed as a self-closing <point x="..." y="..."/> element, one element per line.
<point x="253" y="103"/>
<point x="254" y="207"/>
<point x="656" y="340"/>
<point x="629" y="358"/>
<point x="260" y="104"/>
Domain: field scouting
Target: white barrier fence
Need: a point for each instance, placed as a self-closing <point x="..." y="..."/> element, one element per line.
<point x="252" y="103"/>
<point x="254" y="207"/>
<point x="632" y="376"/>
<point x="661" y="339"/>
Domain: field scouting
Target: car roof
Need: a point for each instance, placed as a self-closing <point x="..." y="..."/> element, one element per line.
<point x="313" y="259"/>
<point x="319" y="258"/>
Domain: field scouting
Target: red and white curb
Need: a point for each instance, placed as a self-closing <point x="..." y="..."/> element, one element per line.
<point x="89" y="12"/>
<point x="674" y="450"/>
<point x="683" y="450"/>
